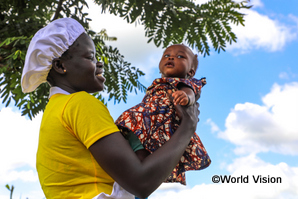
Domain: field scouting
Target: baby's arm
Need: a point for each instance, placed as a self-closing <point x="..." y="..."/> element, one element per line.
<point x="184" y="96"/>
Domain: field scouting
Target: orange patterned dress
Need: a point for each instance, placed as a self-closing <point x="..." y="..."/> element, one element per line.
<point x="154" y="121"/>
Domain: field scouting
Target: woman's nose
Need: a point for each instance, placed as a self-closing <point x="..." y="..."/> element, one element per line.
<point x="99" y="64"/>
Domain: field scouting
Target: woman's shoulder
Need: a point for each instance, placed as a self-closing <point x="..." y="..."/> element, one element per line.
<point x="84" y="98"/>
<point x="83" y="102"/>
<point x="82" y="94"/>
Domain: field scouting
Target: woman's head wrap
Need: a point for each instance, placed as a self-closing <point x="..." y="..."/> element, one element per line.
<point x="48" y="43"/>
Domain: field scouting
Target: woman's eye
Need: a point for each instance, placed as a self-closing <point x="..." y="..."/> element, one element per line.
<point x="91" y="58"/>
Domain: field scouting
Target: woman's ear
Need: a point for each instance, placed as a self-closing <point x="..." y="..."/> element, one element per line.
<point x="58" y="66"/>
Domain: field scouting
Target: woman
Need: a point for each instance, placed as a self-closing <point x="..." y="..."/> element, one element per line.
<point x="81" y="151"/>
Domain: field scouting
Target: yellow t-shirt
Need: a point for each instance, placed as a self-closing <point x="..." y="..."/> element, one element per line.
<point x="65" y="166"/>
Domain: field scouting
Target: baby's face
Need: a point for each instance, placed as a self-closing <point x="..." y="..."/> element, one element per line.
<point x="176" y="61"/>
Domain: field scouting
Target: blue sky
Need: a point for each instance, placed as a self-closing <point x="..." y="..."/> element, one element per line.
<point x="249" y="109"/>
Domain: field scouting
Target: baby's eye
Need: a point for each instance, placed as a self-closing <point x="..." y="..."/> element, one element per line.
<point x="166" y="55"/>
<point x="180" y="56"/>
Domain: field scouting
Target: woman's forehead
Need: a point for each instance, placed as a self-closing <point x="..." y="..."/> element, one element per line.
<point x="83" y="41"/>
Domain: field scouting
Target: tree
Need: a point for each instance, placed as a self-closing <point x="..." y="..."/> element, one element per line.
<point x="165" y="22"/>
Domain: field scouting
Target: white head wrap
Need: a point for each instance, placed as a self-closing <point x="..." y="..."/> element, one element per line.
<point x="48" y="43"/>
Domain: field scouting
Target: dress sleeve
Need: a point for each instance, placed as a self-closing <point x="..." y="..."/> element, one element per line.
<point x="134" y="141"/>
<point x="193" y="83"/>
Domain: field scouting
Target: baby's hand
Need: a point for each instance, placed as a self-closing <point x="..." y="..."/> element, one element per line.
<point x="180" y="97"/>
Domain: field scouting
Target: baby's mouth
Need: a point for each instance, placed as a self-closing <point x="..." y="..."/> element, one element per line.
<point x="170" y="64"/>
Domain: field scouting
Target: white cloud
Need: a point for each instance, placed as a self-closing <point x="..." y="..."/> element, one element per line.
<point x="214" y="127"/>
<point x="294" y="19"/>
<point x="262" y="32"/>
<point x="13" y="175"/>
<point x="18" y="146"/>
<point x="256" y="3"/>
<point x="199" y="2"/>
<point x="283" y="75"/>
<point x="252" y="167"/>
<point x="272" y="126"/>
<point x="287" y="75"/>
<point x="164" y="187"/>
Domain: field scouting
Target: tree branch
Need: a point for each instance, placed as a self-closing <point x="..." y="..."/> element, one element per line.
<point x="58" y="10"/>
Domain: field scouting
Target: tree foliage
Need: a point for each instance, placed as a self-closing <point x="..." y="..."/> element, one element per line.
<point x="165" y="22"/>
<point x="175" y="21"/>
<point x="20" y="19"/>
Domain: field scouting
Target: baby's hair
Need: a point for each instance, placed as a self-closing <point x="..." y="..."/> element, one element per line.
<point x="195" y="61"/>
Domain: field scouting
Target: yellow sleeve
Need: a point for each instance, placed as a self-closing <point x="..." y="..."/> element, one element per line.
<point x="88" y="118"/>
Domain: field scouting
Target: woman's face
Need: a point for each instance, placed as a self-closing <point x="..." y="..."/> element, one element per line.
<point x="176" y="61"/>
<point x="83" y="71"/>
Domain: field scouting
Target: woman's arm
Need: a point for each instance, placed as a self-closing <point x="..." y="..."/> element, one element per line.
<point x="141" y="178"/>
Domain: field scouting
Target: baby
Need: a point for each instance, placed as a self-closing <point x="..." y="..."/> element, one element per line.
<point x="154" y="120"/>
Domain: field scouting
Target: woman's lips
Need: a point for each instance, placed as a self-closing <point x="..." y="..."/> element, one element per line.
<point x="100" y="76"/>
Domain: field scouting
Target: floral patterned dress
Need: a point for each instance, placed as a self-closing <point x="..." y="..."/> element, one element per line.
<point x="154" y="121"/>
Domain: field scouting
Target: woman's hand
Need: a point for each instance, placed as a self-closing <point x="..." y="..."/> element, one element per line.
<point x="191" y="113"/>
<point x="189" y="116"/>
